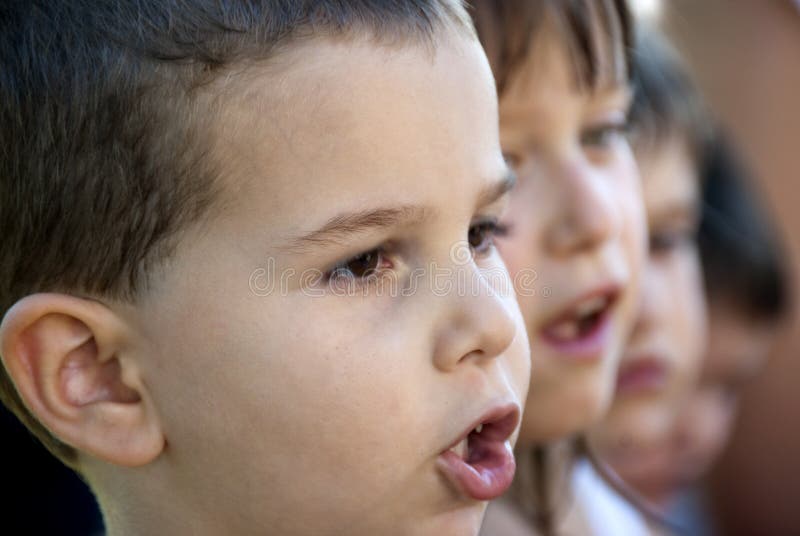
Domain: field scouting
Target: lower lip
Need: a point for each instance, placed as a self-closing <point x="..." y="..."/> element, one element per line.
<point x="641" y="377"/>
<point x="488" y="475"/>
<point x="590" y="347"/>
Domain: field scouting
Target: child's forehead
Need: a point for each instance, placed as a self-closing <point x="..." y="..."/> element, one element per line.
<point x="351" y="109"/>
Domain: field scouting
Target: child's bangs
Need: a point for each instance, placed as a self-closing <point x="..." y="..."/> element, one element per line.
<point x="597" y="33"/>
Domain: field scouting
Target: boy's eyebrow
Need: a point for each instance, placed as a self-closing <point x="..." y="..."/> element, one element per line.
<point x="339" y="227"/>
<point x="498" y="189"/>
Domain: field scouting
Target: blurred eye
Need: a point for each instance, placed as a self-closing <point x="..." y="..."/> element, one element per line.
<point x="361" y="266"/>
<point x="663" y="242"/>
<point x="512" y="159"/>
<point x="605" y="135"/>
<point x="482" y="235"/>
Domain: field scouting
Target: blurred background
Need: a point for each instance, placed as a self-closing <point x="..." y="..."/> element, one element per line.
<point x="745" y="56"/>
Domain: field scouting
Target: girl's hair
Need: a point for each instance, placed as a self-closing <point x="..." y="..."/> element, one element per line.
<point x="592" y="29"/>
<point x="666" y="102"/>
<point x="743" y="260"/>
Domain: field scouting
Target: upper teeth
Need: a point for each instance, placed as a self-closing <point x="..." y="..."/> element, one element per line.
<point x="566" y="330"/>
<point x="590" y="307"/>
<point x="461" y="448"/>
<point x="478" y="429"/>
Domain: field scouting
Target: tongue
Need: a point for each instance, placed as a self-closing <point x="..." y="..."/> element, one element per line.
<point x="488" y="470"/>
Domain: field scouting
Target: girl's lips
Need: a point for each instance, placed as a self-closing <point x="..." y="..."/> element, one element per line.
<point x="484" y="470"/>
<point x="581" y="332"/>
<point x="642" y="374"/>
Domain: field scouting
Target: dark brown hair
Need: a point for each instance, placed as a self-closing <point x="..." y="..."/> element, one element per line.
<point x="507" y="30"/>
<point x="741" y="250"/>
<point x="666" y="102"/>
<point x="103" y="111"/>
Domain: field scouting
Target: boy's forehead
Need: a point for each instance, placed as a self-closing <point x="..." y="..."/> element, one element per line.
<point x="351" y="115"/>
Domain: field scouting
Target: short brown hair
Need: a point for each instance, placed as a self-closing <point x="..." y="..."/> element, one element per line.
<point x="102" y="154"/>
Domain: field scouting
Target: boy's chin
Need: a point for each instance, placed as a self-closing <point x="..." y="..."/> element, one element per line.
<point x="463" y="520"/>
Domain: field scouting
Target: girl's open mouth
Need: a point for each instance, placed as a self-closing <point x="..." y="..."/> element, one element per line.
<point x="581" y="331"/>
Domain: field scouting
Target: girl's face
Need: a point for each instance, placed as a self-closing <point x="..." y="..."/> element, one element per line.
<point x="575" y="231"/>
<point x="661" y="361"/>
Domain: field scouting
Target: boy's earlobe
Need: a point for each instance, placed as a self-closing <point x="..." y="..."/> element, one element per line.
<point x="70" y="360"/>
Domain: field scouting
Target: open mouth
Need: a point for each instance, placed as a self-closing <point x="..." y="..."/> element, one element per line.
<point x="580" y="330"/>
<point x="645" y="373"/>
<point x="480" y="464"/>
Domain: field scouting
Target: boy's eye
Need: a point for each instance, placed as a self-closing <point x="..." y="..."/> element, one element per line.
<point x="361" y="266"/>
<point x="482" y="235"/>
<point x="604" y="135"/>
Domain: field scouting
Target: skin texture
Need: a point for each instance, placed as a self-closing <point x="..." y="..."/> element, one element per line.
<point x="576" y="224"/>
<point x="307" y="410"/>
<point x="670" y="326"/>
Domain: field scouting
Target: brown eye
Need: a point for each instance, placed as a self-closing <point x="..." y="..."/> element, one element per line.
<point x="513" y="160"/>
<point x="361" y="266"/>
<point x="482" y="235"/>
<point x="664" y="242"/>
<point x="605" y="135"/>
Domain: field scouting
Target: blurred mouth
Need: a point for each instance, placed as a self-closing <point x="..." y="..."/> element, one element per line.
<point x="582" y="329"/>
<point x="480" y="463"/>
<point x="645" y="373"/>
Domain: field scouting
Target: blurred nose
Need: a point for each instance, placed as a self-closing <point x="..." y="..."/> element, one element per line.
<point x="479" y="323"/>
<point x="653" y="291"/>
<point x="584" y="218"/>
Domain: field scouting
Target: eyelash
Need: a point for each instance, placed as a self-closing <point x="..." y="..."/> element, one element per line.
<point x="374" y="262"/>
<point x="343" y="271"/>
<point x="489" y="230"/>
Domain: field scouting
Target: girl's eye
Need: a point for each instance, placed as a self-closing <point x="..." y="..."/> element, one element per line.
<point x="604" y="135"/>
<point x="512" y="159"/>
<point x="482" y="235"/>
<point x="362" y="266"/>
<point x="663" y="242"/>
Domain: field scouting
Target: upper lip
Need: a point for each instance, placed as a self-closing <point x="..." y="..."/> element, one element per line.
<point x="639" y="357"/>
<point x="609" y="290"/>
<point x="500" y="421"/>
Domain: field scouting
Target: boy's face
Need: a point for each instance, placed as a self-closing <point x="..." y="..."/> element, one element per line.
<point x="294" y="403"/>
<point x="576" y="234"/>
<point x="661" y="361"/>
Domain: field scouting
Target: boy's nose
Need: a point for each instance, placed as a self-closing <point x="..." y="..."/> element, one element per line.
<point x="584" y="217"/>
<point x="480" y="323"/>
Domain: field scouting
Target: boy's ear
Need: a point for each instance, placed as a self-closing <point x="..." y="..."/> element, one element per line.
<point x="70" y="360"/>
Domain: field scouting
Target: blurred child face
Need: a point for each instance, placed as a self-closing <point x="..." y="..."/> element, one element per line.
<point x="738" y="346"/>
<point x="660" y="362"/>
<point x="575" y="234"/>
<point x="329" y="404"/>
